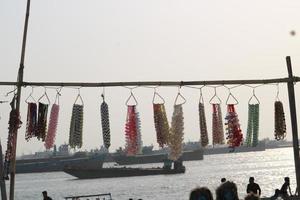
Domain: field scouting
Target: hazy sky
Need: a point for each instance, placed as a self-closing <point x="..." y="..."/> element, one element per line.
<point x="147" y="40"/>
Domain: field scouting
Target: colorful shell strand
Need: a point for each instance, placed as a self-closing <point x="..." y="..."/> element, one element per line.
<point x="51" y="133"/>
<point x="76" y="126"/>
<point x="41" y="127"/>
<point x="217" y="125"/>
<point x="203" y="126"/>
<point x="31" y="120"/>
<point x="161" y="124"/>
<point x="280" y="125"/>
<point x="139" y="141"/>
<point x="105" y="124"/>
<point x="253" y="125"/>
<point x="233" y="130"/>
<point x="176" y="133"/>
<point x="131" y="131"/>
<point x="14" y="125"/>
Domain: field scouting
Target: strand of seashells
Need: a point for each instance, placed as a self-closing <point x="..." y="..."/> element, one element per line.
<point x="41" y="126"/>
<point x="280" y="125"/>
<point x="105" y="124"/>
<point x="203" y="126"/>
<point x="131" y="131"/>
<point x="233" y="130"/>
<point x="176" y="133"/>
<point x="51" y="133"/>
<point x="217" y="125"/>
<point x="76" y="126"/>
<point x="161" y="124"/>
<point x="31" y="120"/>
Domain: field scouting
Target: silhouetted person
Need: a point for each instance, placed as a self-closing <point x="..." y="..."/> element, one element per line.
<point x="251" y="196"/>
<point x="276" y="195"/>
<point x="45" y="196"/>
<point x="285" y="188"/>
<point x="202" y="193"/>
<point x="253" y="187"/>
<point x="223" y="180"/>
<point x="227" y="191"/>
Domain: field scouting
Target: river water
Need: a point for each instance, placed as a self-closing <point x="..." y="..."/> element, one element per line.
<point x="268" y="167"/>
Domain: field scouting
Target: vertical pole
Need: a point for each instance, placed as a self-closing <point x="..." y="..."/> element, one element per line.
<point x="291" y="92"/>
<point x="2" y="181"/>
<point x="19" y="87"/>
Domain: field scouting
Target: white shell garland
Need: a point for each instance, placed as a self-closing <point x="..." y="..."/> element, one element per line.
<point x="176" y="133"/>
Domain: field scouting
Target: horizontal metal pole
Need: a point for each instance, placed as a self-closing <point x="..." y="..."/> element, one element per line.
<point x="156" y="83"/>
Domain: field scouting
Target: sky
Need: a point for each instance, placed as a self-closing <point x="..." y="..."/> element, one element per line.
<point x="148" y="40"/>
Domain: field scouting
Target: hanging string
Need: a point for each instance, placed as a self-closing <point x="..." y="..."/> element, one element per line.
<point x="176" y="133"/>
<point x="14" y="124"/>
<point x="41" y="127"/>
<point x="51" y="133"/>
<point x="202" y="122"/>
<point x="233" y="130"/>
<point x="76" y="125"/>
<point x="105" y="123"/>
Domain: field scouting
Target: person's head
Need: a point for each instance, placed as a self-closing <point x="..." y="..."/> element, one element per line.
<point x="227" y="191"/>
<point x="251" y="179"/>
<point x="223" y="180"/>
<point x="286" y="179"/>
<point x="277" y="192"/>
<point x="44" y="193"/>
<point x="202" y="193"/>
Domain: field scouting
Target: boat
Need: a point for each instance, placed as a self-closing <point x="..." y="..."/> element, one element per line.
<point x="83" y="172"/>
<point x="224" y="149"/>
<point x="50" y="162"/>
<point x="155" y="157"/>
<point x="57" y="164"/>
<point x="106" y="196"/>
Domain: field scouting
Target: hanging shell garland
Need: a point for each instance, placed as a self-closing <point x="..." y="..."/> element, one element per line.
<point x="217" y="125"/>
<point x="131" y="131"/>
<point x="253" y="125"/>
<point x="14" y="124"/>
<point x="31" y="120"/>
<point x="51" y="133"/>
<point x="138" y="131"/>
<point x="76" y="126"/>
<point x="280" y="125"/>
<point x="41" y="127"/>
<point x="161" y="124"/>
<point x="233" y="130"/>
<point x="203" y="126"/>
<point x="176" y="133"/>
<point x="105" y="124"/>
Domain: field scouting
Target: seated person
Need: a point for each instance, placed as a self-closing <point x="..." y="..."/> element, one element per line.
<point x="202" y="193"/>
<point x="285" y="190"/>
<point x="227" y="191"/>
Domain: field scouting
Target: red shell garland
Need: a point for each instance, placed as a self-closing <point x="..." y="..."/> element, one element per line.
<point x="50" y="138"/>
<point x="233" y="130"/>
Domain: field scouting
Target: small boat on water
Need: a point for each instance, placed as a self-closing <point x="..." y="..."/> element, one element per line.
<point x="58" y="163"/>
<point x="113" y="172"/>
<point x="106" y="196"/>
